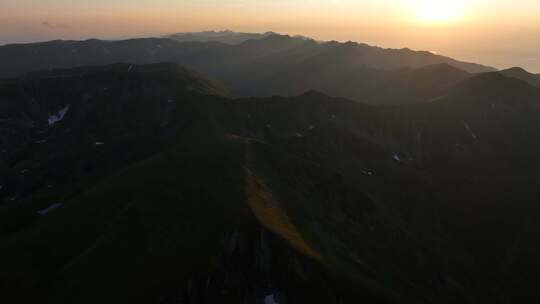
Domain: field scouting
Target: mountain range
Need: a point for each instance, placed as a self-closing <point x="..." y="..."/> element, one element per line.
<point x="226" y="36"/>
<point x="269" y="64"/>
<point x="149" y="183"/>
<point x="394" y="176"/>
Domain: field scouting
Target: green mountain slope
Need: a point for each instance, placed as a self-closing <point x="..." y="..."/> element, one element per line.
<point x="297" y="199"/>
<point x="61" y="130"/>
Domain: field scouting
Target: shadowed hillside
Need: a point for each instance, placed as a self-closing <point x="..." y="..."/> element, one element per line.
<point x="147" y="184"/>
<point x="519" y="73"/>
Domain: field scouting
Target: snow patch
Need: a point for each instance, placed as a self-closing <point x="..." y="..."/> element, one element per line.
<point x="299" y="135"/>
<point x="47" y="210"/>
<point x="470" y="130"/>
<point x="99" y="143"/>
<point x="54" y="118"/>
<point x="367" y="172"/>
<point x="396" y="157"/>
<point x="130" y="68"/>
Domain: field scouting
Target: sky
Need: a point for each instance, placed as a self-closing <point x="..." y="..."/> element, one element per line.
<point x="500" y="33"/>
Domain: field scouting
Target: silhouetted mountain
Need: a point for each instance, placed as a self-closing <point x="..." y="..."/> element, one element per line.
<point x="519" y="73"/>
<point x="145" y="184"/>
<point x="369" y="85"/>
<point x="227" y="36"/>
<point x="271" y="65"/>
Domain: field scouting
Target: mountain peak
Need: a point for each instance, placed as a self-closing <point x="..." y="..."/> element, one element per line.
<point x="487" y="85"/>
<point x="516" y="69"/>
<point x="314" y="94"/>
<point x="522" y="74"/>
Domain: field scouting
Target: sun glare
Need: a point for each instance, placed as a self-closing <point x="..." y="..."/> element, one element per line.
<point x="438" y="11"/>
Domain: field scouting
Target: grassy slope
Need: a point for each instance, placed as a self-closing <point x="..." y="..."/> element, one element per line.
<point x="137" y="229"/>
<point x="158" y="224"/>
<point x="151" y="228"/>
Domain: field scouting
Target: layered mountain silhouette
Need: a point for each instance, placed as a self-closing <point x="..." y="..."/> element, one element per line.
<point x="226" y="36"/>
<point x="257" y="64"/>
<point x="151" y="184"/>
<point x="520" y="73"/>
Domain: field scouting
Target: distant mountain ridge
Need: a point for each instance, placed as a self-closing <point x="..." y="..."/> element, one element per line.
<point x="226" y="36"/>
<point x="271" y="64"/>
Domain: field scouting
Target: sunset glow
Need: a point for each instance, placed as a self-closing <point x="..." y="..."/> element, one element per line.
<point x="439" y="11"/>
<point x="500" y="33"/>
<point x="269" y="151"/>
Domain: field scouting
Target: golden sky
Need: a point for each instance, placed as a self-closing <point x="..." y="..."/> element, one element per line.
<point x="501" y="33"/>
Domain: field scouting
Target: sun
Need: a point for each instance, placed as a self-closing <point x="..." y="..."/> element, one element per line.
<point x="438" y="11"/>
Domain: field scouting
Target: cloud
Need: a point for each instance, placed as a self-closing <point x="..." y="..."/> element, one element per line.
<point x="54" y="26"/>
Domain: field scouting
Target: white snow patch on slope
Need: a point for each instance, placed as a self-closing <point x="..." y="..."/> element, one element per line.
<point x="470" y="130"/>
<point x="396" y="157"/>
<point x="367" y="172"/>
<point x="54" y="118"/>
<point x="47" y="210"/>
